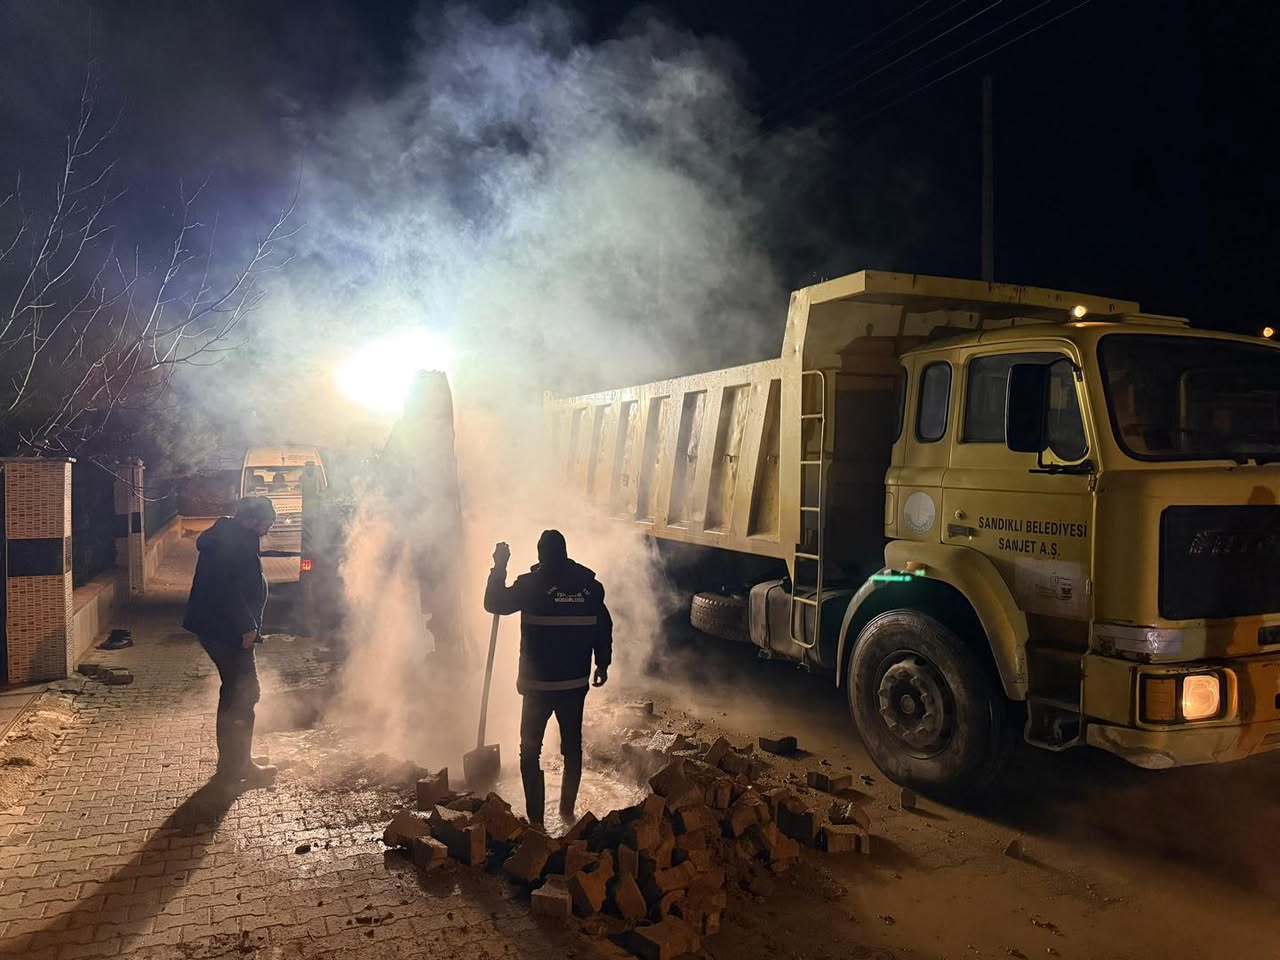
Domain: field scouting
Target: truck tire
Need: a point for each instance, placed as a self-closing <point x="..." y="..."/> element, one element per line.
<point x="719" y="616"/>
<point x="929" y="710"/>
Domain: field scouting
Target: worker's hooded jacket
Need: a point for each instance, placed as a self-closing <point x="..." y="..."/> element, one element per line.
<point x="228" y="592"/>
<point x="563" y="621"/>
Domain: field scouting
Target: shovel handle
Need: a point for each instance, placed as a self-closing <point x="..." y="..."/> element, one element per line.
<point x="488" y="676"/>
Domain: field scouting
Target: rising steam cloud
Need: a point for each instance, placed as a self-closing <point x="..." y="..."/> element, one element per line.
<point x="572" y="217"/>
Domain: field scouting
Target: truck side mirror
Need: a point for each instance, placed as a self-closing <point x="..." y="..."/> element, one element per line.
<point x="1026" y="406"/>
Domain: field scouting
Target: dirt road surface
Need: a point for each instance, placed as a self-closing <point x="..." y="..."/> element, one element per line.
<point x="1117" y="862"/>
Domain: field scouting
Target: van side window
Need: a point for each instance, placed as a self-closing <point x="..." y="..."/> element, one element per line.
<point x="935" y="398"/>
<point x="984" y="400"/>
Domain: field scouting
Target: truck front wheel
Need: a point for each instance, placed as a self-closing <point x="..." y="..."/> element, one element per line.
<point x="927" y="708"/>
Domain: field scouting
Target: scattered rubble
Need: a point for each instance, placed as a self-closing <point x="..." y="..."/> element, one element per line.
<point x="654" y="876"/>
<point x="907" y="798"/>
<point x="103" y="673"/>
<point x="828" y="783"/>
<point x="782" y="746"/>
<point x="1014" y="849"/>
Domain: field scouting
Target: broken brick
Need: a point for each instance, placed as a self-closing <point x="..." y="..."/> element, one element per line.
<point x="735" y="764"/>
<point x="821" y="780"/>
<point x="848" y="812"/>
<point x="627" y="899"/>
<point x="694" y="818"/>
<point x="589" y="887"/>
<point x="747" y="811"/>
<point x="499" y="822"/>
<point x="527" y="863"/>
<point x="670" y="780"/>
<point x="628" y="861"/>
<point x="465" y="802"/>
<point x="674" y="878"/>
<point x="717" y="751"/>
<point x="665" y="940"/>
<point x="668" y="742"/>
<point x="799" y="823"/>
<point x="666" y="905"/>
<point x="718" y="794"/>
<point x="654" y="806"/>
<point x="576" y="857"/>
<point x="580" y="829"/>
<point x="404" y="827"/>
<point x="443" y="818"/>
<point x="552" y="899"/>
<point x="428" y="852"/>
<point x="643" y="835"/>
<point x="907" y="798"/>
<point x="841" y="838"/>
<point x="777" y="798"/>
<point x="433" y="789"/>
<point x="781" y="746"/>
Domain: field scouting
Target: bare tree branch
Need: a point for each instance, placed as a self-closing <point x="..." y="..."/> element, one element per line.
<point x="82" y="332"/>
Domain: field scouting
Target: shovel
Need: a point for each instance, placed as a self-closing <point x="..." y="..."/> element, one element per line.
<point x="482" y="765"/>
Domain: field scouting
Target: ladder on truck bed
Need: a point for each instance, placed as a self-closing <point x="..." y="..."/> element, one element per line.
<point x="811" y="562"/>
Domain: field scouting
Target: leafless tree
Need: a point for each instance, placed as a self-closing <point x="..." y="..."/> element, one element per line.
<point x="87" y="329"/>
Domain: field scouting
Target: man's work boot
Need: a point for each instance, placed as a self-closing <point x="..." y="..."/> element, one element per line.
<point x="535" y="794"/>
<point x="569" y="788"/>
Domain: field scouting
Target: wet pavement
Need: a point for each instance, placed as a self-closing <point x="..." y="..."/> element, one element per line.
<point x="122" y="850"/>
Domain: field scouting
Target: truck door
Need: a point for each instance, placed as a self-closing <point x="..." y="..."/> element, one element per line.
<point x="916" y="479"/>
<point x="1034" y="524"/>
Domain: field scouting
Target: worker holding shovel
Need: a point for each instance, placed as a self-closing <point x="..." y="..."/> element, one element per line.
<point x="563" y="623"/>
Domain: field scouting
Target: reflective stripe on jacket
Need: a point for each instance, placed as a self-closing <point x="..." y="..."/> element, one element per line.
<point x="563" y="623"/>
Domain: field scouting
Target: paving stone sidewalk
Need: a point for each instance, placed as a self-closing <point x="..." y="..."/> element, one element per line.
<point x="123" y="851"/>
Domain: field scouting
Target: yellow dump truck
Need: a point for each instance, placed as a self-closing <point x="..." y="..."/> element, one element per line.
<point x="977" y="503"/>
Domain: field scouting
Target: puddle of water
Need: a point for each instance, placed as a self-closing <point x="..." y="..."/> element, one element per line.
<point x="597" y="793"/>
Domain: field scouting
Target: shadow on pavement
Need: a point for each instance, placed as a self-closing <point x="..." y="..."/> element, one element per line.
<point x="198" y="817"/>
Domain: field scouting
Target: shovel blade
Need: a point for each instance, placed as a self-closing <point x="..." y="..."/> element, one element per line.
<point x="482" y="765"/>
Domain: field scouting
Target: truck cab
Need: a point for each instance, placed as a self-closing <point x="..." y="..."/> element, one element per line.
<point x="990" y="505"/>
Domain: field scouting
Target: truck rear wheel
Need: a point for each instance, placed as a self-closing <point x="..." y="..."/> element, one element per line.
<point x="719" y="616"/>
<point x="928" y="709"/>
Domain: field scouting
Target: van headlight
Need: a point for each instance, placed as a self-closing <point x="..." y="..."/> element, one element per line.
<point x="1182" y="698"/>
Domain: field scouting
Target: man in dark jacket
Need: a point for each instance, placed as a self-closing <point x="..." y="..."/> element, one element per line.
<point x="228" y="596"/>
<point x="563" y="622"/>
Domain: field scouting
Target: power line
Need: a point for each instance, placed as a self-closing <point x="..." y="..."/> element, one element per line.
<point x="947" y="56"/>
<point x="983" y="56"/>
<point x="838" y="57"/>
<point x="910" y="53"/>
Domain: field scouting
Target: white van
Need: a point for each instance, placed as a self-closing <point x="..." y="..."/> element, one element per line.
<point x="277" y="473"/>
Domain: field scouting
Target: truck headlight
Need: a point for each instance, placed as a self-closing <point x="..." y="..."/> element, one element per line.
<point x="1201" y="696"/>
<point x="1175" y="699"/>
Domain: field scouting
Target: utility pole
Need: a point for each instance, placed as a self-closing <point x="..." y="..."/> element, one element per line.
<point x="988" y="187"/>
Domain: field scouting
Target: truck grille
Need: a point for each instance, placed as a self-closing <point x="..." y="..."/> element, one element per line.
<point x="1219" y="562"/>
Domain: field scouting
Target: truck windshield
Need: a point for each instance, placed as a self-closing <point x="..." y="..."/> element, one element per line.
<point x="1192" y="398"/>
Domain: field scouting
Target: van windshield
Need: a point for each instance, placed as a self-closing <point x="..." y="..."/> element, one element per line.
<point x="272" y="481"/>
<point x="1192" y="398"/>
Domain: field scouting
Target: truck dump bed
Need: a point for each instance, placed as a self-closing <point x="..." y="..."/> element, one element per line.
<point x="765" y="458"/>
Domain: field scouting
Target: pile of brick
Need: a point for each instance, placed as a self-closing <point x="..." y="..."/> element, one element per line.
<point x="653" y="876"/>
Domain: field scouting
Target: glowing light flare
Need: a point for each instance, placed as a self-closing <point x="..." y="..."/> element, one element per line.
<point x="380" y="374"/>
<point x="1268" y="332"/>
<point x="1079" y="310"/>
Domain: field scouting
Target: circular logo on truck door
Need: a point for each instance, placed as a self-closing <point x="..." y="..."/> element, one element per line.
<point x="918" y="513"/>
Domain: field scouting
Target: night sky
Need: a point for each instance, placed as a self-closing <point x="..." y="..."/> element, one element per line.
<point x="1132" y="139"/>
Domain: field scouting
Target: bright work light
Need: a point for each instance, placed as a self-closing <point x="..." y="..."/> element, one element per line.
<point x="380" y="374"/>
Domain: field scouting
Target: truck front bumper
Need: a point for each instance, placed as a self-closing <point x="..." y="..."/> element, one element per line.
<point x="1251" y="724"/>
